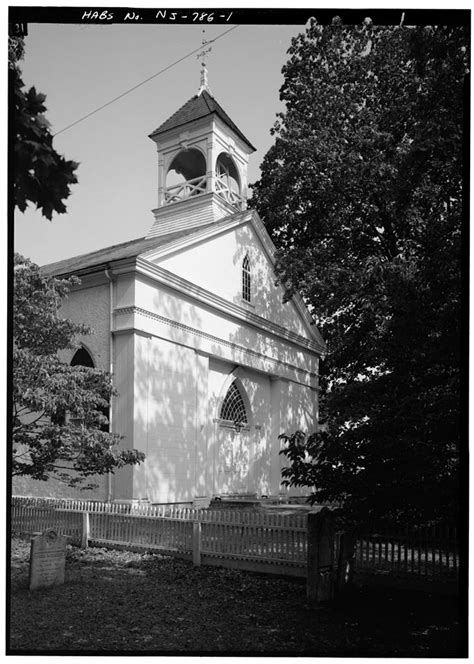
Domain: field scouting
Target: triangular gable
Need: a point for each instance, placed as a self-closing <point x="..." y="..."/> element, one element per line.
<point x="212" y="259"/>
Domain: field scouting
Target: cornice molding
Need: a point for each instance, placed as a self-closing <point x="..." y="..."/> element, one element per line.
<point x="133" y="310"/>
<point x="189" y="289"/>
<point x="239" y="219"/>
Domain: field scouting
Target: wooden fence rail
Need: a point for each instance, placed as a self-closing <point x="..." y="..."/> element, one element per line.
<point x="265" y="542"/>
<point x="187" y="513"/>
<point x="229" y="538"/>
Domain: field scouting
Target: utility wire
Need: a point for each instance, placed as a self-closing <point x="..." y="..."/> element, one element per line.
<point x="84" y="117"/>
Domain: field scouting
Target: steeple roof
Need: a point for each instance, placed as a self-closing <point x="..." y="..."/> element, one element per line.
<point x="199" y="106"/>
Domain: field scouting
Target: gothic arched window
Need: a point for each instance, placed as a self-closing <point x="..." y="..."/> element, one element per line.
<point x="82" y="358"/>
<point x="233" y="407"/>
<point x="246" y="279"/>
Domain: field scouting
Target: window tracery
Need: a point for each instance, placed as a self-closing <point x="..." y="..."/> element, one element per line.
<point x="233" y="407"/>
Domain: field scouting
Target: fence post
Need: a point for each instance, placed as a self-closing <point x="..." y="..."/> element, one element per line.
<point x="196" y="543"/>
<point x="85" y="530"/>
<point x="345" y="562"/>
<point x="320" y="533"/>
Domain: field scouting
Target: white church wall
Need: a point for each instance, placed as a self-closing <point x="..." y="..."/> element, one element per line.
<point x="160" y="397"/>
<point x="258" y="390"/>
<point x="218" y="373"/>
<point x="172" y="315"/>
<point x="258" y="439"/>
<point x="169" y="415"/>
<point x="123" y="410"/>
<point x="299" y="412"/>
<point x="125" y="290"/>
<point x="299" y="408"/>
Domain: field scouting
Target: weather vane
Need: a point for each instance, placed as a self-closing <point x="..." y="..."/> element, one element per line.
<point x="202" y="56"/>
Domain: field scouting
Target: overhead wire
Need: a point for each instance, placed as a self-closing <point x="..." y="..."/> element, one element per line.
<point x="123" y="94"/>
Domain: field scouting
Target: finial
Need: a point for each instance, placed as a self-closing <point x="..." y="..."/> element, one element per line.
<point x="202" y="55"/>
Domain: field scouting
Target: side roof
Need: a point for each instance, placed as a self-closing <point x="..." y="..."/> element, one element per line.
<point x="197" y="107"/>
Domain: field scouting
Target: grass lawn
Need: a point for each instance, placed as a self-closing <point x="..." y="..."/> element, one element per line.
<point x="131" y="602"/>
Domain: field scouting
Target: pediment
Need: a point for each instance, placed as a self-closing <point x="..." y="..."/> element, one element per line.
<point x="212" y="259"/>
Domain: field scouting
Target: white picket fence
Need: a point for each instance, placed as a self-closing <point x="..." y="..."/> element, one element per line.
<point x="273" y="543"/>
<point x="257" y="541"/>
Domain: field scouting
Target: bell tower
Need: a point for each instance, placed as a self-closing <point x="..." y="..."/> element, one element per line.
<point x="202" y="165"/>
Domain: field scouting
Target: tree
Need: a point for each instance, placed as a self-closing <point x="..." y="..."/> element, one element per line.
<point x="40" y="174"/>
<point x="58" y="409"/>
<point x="362" y="194"/>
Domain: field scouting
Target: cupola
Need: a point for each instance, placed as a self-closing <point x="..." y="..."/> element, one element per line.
<point x="202" y="165"/>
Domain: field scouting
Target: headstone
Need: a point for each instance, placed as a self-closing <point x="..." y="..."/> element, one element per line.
<point x="47" y="559"/>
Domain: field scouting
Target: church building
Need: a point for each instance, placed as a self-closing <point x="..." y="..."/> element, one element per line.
<point x="209" y="364"/>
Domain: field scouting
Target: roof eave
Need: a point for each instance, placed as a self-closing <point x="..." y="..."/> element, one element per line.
<point x="159" y="132"/>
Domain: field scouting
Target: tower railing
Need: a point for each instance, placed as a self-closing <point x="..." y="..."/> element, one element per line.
<point x="178" y="192"/>
<point x="223" y="190"/>
<point x="196" y="186"/>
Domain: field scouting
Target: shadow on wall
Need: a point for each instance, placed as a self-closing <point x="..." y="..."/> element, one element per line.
<point x="175" y="408"/>
<point x="298" y="406"/>
<point x="167" y="415"/>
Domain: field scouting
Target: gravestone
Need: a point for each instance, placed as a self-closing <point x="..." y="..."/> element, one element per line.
<point x="47" y="559"/>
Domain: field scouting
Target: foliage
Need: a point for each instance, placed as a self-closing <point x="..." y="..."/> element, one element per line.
<point x="59" y="425"/>
<point x="362" y="194"/>
<point x="40" y="175"/>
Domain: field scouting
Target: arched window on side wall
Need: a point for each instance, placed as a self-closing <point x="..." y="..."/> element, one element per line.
<point x="246" y="279"/>
<point x="233" y="408"/>
<point x="82" y="358"/>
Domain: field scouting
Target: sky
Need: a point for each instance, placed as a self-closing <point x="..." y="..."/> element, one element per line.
<point x="81" y="67"/>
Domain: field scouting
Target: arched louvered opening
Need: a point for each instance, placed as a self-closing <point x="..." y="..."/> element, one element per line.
<point x="233" y="410"/>
<point x="246" y="280"/>
<point x="186" y="176"/>
<point x="228" y="180"/>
